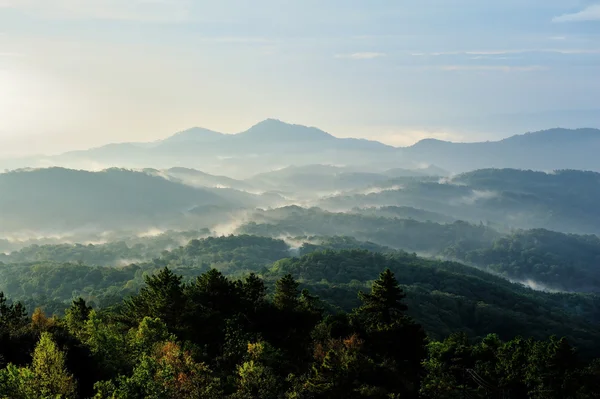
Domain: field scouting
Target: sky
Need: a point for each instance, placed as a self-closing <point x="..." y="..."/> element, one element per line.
<point x="82" y="73"/>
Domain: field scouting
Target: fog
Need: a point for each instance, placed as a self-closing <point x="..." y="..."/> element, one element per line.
<point x="292" y="181"/>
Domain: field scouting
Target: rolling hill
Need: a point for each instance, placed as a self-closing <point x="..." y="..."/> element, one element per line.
<point x="59" y="199"/>
<point x="563" y="200"/>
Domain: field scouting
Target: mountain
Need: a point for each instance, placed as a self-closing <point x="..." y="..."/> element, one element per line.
<point x="195" y="134"/>
<point x="273" y="144"/>
<point x="268" y="145"/>
<point x="276" y="131"/>
<point x="57" y="199"/>
<point x="544" y="150"/>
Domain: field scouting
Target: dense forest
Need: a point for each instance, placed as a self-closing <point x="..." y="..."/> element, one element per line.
<point x="444" y="296"/>
<point x="214" y="337"/>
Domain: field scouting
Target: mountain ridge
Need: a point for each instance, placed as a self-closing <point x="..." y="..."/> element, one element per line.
<point x="273" y="144"/>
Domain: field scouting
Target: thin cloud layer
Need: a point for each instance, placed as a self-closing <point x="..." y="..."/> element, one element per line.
<point x="591" y="13"/>
<point x="361" y="56"/>
<point x="135" y="10"/>
<point x="565" y="51"/>
<point x="494" y="68"/>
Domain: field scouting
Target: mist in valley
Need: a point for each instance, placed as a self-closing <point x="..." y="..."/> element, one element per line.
<point x="398" y="202"/>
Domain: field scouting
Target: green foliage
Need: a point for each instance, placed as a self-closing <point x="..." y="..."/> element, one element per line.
<point x="162" y="298"/>
<point x="517" y="368"/>
<point x="217" y="339"/>
<point x="286" y="293"/>
<point x="395" y="233"/>
<point x="559" y="261"/>
<point x="383" y="304"/>
<point x="48" y="366"/>
<point x="47" y="378"/>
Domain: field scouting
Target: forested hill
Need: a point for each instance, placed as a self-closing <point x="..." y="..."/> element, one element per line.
<point x="58" y="201"/>
<point x="445" y="296"/>
<point x="564" y="200"/>
<point x="216" y="338"/>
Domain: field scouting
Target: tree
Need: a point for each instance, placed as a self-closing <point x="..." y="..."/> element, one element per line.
<point x="213" y="292"/>
<point x="253" y="291"/>
<point x="76" y="315"/>
<point x="394" y="341"/>
<point x="17" y="340"/>
<point x="446" y="366"/>
<point x="51" y="376"/>
<point x="384" y="303"/>
<point x="212" y="299"/>
<point x="255" y="377"/>
<point x="18" y="383"/>
<point x="107" y="344"/>
<point x="149" y="334"/>
<point x="40" y="322"/>
<point x="167" y="373"/>
<point x="162" y="297"/>
<point x="286" y="293"/>
<point x="10" y="314"/>
<point x="342" y="370"/>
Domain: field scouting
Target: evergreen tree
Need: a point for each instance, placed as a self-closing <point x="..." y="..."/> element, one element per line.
<point x="162" y="298"/>
<point x="384" y="303"/>
<point x="11" y="314"/>
<point x="286" y="293"/>
<point x="394" y="340"/>
<point x="253" y="292"/>
<point x="77" y="314"/>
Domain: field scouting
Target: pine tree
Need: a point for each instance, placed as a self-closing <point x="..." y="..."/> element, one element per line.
<point x="286" y="293"/>
<point x="76" y="316"/>
<point x="394" y="340"/>
<point x="11" y="314"/>
<point x="162" y="297"/>
<point x="384" y="303"/>
<point x="254" y="291"/>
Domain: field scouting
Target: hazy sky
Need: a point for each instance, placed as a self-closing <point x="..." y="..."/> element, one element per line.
<point x="79" y="73"/>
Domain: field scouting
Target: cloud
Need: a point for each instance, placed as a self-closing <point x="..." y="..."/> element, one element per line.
<point x="489" y="57"/>
<point x="591" y="13"/>
<point x="238" y="39"/>
<point x="494" y="53"/>
<point x="361" y="56"/>
<point x="493" y="68"/>
<point x="138" y="10"/>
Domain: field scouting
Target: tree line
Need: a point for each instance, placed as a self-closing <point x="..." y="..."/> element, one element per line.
<point x="215" y="337"/>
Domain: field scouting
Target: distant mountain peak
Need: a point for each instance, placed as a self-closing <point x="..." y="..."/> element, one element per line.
<point x="428" y="143"/>
<point x="197" y="134"/>
<point x="557" y="133"/>
<point x="275" y="129"/>
<point x="271" y="122"/>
